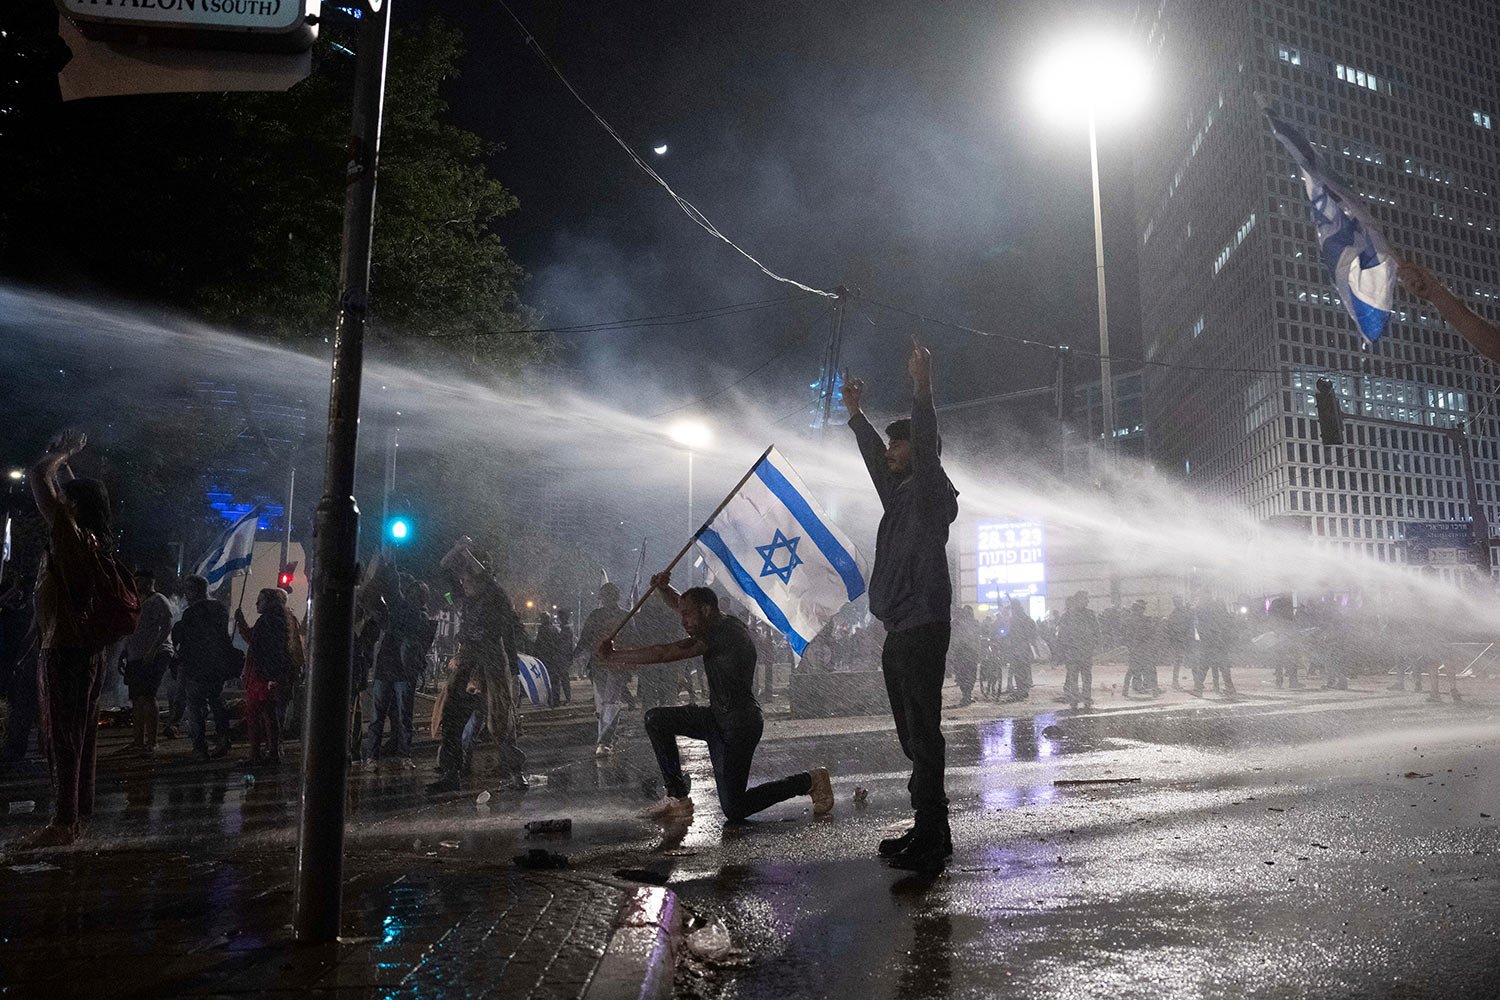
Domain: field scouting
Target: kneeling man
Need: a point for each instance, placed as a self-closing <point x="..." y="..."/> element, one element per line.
<point x="730" y="724"/>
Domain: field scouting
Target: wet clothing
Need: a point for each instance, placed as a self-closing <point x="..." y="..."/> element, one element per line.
<point x="731" y="725"/>
<point x="487" y="649"/>
<point x="731" y="751"/>
<point x="71" y="680"/>
<point x="729" y="666"/>
<point x="71" y="672"/>
<point x="909" y="585"/>
<point x="912" y="662"/>
<point x="912" y="596"/>
<point x="1077" y="639"/>
<point x="200" y="638"/>
<point x="609" y="685"/>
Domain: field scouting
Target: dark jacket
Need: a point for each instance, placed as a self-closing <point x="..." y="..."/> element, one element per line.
<point x="909" y="585"/>
<point x="199" y="637"/>
<point x="1077" y="635"/>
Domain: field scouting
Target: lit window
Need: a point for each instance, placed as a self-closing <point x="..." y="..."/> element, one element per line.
<point x="1483" y="120"/>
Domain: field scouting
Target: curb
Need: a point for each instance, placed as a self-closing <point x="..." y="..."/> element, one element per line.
<point x="641" y="958"/>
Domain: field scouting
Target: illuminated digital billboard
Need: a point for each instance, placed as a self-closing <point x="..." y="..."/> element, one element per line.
<point x="1010" y="562"/>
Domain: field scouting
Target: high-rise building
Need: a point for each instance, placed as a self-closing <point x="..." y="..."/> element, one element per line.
<point x="1402" y="99"/>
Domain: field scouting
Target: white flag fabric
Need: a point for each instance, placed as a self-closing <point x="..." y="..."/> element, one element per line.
<point x="774" y="543"/>
<point x="535" y="678"/>
<point x="232" y="552"/>
<point x="1356" y="256"/>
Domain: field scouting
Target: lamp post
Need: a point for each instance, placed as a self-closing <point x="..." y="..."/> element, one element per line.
<point x="693" y="435"/>
<point x="1094" y="75"/>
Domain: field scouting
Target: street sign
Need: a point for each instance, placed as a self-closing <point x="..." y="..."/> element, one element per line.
<point x="244" y="25"/>
<point x="1440" y="543"/>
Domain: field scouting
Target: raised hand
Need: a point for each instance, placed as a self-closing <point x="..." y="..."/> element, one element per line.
<point x="662" y="580"/>
<point x="853" y="395"/>
<point x="1419" y="281"/>
<point x="919" y="366"/>
<point x="68" y="443"/>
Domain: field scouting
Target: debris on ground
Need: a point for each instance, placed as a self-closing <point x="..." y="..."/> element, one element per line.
<point x="35" y="867"/>
<point x="483" y="798"/>
<point x="711" y="943"/>
<point x="1067" y="782"/>
<point x="544" y="827"/>
<point x="861" y="797"/>
<point x="452" y="845"/>
<point x="21" y="806"/>
<point x="1414" y="774"/>
<point x="540" y="859"/>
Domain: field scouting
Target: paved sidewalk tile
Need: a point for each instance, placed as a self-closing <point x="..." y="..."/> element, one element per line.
<point x="160" y="924"/>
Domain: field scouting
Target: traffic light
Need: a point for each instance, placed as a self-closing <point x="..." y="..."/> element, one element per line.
<point x="398" y="530"/>
<point x="287" y="577"/>
<point x="1330" y="418"/>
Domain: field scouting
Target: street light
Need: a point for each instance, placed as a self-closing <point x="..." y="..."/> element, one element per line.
<point x="1090" y="76"/>
<point x="692" y="435"/>
<point x="17" y="474"/>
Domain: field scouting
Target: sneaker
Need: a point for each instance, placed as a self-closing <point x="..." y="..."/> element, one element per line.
<point x="821" y="792"/>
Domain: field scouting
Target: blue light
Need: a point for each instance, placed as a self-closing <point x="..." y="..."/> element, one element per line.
<point x="399" y="529"/>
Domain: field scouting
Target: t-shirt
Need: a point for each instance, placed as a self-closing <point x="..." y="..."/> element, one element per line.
<point x="155" y="621"/>
<point x="57" y="614"/>
<point x="729" y="664"/>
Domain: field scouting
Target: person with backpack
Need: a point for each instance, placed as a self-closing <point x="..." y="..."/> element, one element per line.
<point x="85" y="602"/>
<point x="206" y="659"/>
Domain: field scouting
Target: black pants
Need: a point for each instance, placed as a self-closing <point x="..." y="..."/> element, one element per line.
<point x="456" y="712"/>
<point x="965" y="673"/>
<point x="912" y="661"/>
<point x="730" y="750"/>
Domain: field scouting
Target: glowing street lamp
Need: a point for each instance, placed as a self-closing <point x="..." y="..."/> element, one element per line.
<point x="692" y="435"/>
<point x="16" y="475"/>
<point x="1089" y="76"/>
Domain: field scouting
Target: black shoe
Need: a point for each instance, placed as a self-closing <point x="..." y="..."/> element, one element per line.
<point x="927" y="855"/>
<point x="892" y="846"/>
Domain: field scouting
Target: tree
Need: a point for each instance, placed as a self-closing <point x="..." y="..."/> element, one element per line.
<point x="231" y="205"/>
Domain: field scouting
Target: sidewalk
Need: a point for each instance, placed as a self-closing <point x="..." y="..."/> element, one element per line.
<point x="170" y="924"/>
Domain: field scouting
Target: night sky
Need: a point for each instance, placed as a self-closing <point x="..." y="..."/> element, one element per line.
<point x="892" y="147"/>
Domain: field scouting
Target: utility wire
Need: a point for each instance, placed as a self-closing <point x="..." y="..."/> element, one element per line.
<point x="632" y="323"/>
<point x="796" y="342"/>
<point x="1438" y="359"/>
<point x="688" y="208"/>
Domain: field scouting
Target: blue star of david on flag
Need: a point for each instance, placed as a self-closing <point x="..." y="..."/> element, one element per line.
<point x="804" y="574"/>
<point x="768" y="553"/>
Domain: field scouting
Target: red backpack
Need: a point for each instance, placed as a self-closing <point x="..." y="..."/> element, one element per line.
<point x="111" y="606"/>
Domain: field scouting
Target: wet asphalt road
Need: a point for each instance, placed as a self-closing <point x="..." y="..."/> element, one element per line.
<point x="1273" y="847"/>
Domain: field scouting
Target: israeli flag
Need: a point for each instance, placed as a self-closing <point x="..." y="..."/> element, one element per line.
<point x="535" y="679"/>
<point x="232" y="552"/>
<point x="1356" y="255"/>
<point x="775" y="544"/>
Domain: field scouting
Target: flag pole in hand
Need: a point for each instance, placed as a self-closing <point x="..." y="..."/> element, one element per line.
<point x="684" y="550"/>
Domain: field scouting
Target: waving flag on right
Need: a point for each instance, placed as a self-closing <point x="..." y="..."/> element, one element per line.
<point x="1356" y="255"/>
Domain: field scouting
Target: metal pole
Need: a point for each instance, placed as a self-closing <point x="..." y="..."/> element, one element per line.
<point x="389" y="487"/>
<point x="1058" y="400"/>
<point x="286" y="518"/>
<point x="1106" y="382"/>
<point x="835" y="345"/>
<point x="692" y="581"/>
<point x="320" y="836"/>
